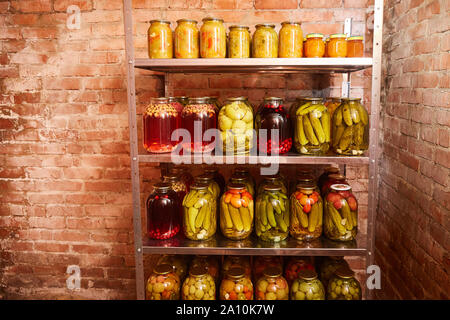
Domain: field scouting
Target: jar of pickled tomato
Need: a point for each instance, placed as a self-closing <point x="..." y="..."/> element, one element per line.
<point x="160" y="42"/>
<point x="291" y="40"/>
<point x="355" y="46"/>
<point x="239" y="42"/>
<point x="213" y="39"/>
<point x="186" y="41"/>
<point x="265" y="41"/>
<point x="337" y="46"/>
<point x="315" y="46"/>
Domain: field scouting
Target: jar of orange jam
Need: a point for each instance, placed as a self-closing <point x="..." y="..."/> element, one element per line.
<point x="337" y="47"/>
<point x="315" y="46"/>
<point x="160" y="42"/>
<point x="355" y="46"/>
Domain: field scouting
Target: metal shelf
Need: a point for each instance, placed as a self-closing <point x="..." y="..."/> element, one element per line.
<point x="255" y="65"/>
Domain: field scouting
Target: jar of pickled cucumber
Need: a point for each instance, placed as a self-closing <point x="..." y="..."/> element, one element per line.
<point x="199" y="285"/>
<point x="276" y="179"/>
<point x="307" y="287"/>
<point x="236" y="212"/>
<point x="314" y="46"/>
<point x="245" y="172"/>
<point x="186" y="43"/>
<point x="295" y="265"/>
<point x="213" y="38"/>
<point x="236" y="285"/>
<point x="329" y="266"/>
<point x="239" y="42"/>
<point x="344" y="286"/>
<point x="213" y="186"/>
<point x="272" y="285"/>
<point x="260" y="263"/>
<point x="217" y="177"/>
<point x="236" y="261"/>
<point x="326" y="173"/>
<point x="306" y="213"/>
<point x="341" y="213"/>
<point x="265" y="41"/>
<point x="178" y="263"/>
<point x="210" y="262"/>
<point x="235" y="123"/>
<point x="334" y="178"/>
<point x="163" y="284"/>
<point x="355" y="46"/>
<point x="291" y="40"/>
<point x="177" y="184"/>
<point x="272" y="214"/>
<point x="242" y="179"/>
<point x="312" y="128"/>
<point x="337" y="46"/>
<point x="199" y="213"/>
<point x="160" y="42"/>
<point x="350" y="128"/>
<point x="332" y="104"/>
<point x="298" y="102"/>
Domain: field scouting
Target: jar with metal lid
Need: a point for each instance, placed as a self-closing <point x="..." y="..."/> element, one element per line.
<point x="245" y="172"/>
<point x="272" y="214"/>
<point x="329" y="266"/>
<point x="217" y="177"/>
<point x="236" y="212"/>
<point x="306" y="213"/>
<point x="199" y="285"/>
<point x="160" y="119"/>
<point x="213" y="38"/>
<point x="160" y="42"/>
<point x="355" y="46"/>
<point x="272" y="285"/>
<point x="186" y="43"/>
<point x="324" y="176"/>
<point x="178" y="263"/>
<point x="312" y="127"/>
<point x="307" y="287"/>
<point x="177" y="184"/>
<point x="236" y="125"/>
<point x="344" y="286"/>
<point x="332" y="104"/>
<point x="350" y="128"/>
<point x="275" y="179"/>
<point x="236" y="285"/>
<point x="260" y="263"/>
<point x="337" y="46"/>
<point x="182" y="99"/>
<point x="295" y="265"/>
<point x="163" y="284"/>
<point x="175" y="102"/>
<point x="291" y="40"/>
<point x="334" y="178"/>
<point x="314" y="46"/>
<point x="236" y="261"/>
<point x="210" y="262"/>
<point x="239" y="42"/>
<point x="163" y="212"/>
<point x="265" y="41"/>
<point x="241" y="179"/>
<point x="341" y="213"/>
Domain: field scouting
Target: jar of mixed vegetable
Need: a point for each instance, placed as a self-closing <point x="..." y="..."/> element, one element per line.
<point x="272" y="285"/>
<point x="307" y="287"/>
<point x="239" y="42"/>
<point x="163" y="284"/>
<point x="186" y="41"/>
<point x="236" y="285"/>
<point x="265" y="41"/>
<point x="199" y="285"/>
<point x="213" y="38"/>
<point x="291" y="40"/>
<point x="160" y="42"/>
<point x="344" y="286"/>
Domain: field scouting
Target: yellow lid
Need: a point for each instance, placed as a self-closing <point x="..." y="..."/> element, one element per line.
<point x="338" y="35"/>
<point x="355" y="38"/>
<point x="314" y="35"/>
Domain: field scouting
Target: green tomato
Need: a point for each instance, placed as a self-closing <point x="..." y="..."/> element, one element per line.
<point x="299" y="295"/>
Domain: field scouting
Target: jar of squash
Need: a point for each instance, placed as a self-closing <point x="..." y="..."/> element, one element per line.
<point x="186" y="39"/>
<point x="355" y="46"/>
<point x="265" y="41"/>
<point x="239" y="42"/>
<point x="160" y="42"/>
<point x="213" y="39"/>
<point x="291" y="40"/>
<point x="337" y="46"/>
<point x="315" y="46"/>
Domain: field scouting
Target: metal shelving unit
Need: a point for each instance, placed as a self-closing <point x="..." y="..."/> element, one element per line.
<point x="363" y="246"/>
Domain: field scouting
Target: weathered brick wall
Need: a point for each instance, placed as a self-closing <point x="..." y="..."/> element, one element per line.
<point x="413" y="218"/>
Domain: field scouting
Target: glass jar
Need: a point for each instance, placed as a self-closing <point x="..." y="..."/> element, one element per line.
<point x="213" y="100"/>
<point x="335" y="178"/>
<point x="307" y="287"/>
<point x="175" y="102"/>
<point x="332" y="104"/>
<point x="344" y="286"/>
<point x="200" y="114"/>
<point x="184" y="175"/>
<point x="199" y="213"/>
<point x="213" y="186"/>
<point x="315" y="46"/>
<point x="163" y="212"/>
<point x="236" y="261"/>
<point x="178" y="263"/>
<point x="312" y="128"/>
<point x="211" y="264"/>
<point x="265" y="41"/>
<point x="236" y="125"/>
<point x="326" y="173"/>
<point x="291" y="40"/>
<point x="199" y="285"/>
<point x="236" y="212"/>
<point x="350" y="128"/>
<point x="272" y="214"/>
<point x="337" y="46"/>
<point x="272" y="286"/>
<point x="341" y="213"/>
<point x="271" y="116"/>
<point x="186" y="44"/>
<point x="277" y="180"/>
<point x="239" y="42"/>
<point x="163" y="284"/>
<point x="327" y="41"/>
<point x="295" y="265"/>
<point x="329" y="266"/>
<point x="217" y="177"/>
<point x="177" y="184"/>
<point x="236" y="285"/>
<point x="355" y="46"/>
<point x="182" y="99"/>
<point x="213" y="39"/>
<point x="159" y="121"/>
<point x="260" y="264"/>
<point x="240" y="179"/>
<point x="245" y="172"/>
<point x="160" y="42"/>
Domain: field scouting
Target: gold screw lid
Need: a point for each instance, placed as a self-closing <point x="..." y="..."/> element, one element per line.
<point x="314" y="35"/>
<point x="199" y="185"/>
<point x="267" y="25"/>
<point x="351" y="99"/>
<point x="186" y="20"/>
<point x="205" y="178"/>
<point x="198" y="100"/>
<point x="170" y="177"/>
<point x="160" y="21"/>
<point x="162" y="186"/>
<point x="272" y="187"/>
<point x="212" y="19"/>
<point x="273" y="98"/>
<point x="211" y="170"/>
<point x="163" y="268"/>
<point x="307" y="274"/>
<point x="272" y="272"/>
<point x="198" y="271"/>
<point x="314" y="99"/>
<point x="236" y="186"/>
<point x="338" y="35"/>
<point x="301" y="186"/>
<point x="352" y="38"/>
<point x="241" y="170"/>
<point x="236" y="272"/>
<point x="239" y="27"/>
<point x="291" y="22"/>
<point x="237" y="99"/>
<point x="345" y="272"/>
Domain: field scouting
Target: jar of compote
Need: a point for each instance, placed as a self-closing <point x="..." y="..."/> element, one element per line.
<point x="175" y="102"/>
<point x="160" y="42"/>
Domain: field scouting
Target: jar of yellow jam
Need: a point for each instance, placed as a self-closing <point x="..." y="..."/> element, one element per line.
<point x="265" y="41"/>
<point x="160" y="42"/>
<point x="239" y="42"/>
<point x="291" y="40"/>
<point x="315" y="46"/>
<point x="186" y="39"/>
<point x="337" y="47"/>
<point x="355" y="46"/>
<point x="213" y="38"/>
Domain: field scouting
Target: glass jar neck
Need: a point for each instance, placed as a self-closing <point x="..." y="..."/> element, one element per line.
<point x="270" y="103"/>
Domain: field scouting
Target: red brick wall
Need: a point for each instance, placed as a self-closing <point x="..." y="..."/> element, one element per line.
<point x="413" y="218"/>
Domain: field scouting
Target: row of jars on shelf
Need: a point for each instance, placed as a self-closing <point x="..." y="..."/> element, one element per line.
<point x="312" y="126"/>
<point x="329" y="207"/>
<point x="213" y="42"/>
<point x="304" y="278"/>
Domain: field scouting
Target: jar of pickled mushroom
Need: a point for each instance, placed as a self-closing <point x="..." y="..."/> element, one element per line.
<point x="276" y="179"/>
<point x="160" y="119"/>
<point x="184" y="175"/>
<point x="236" y="261"/>
<point x="178" y="263"/>
<point x="334" y="178"/>
<point x="240" y="179"/>
<point x="355" y="47"/>
<point x="182" y="99"/>
<point x="260" y="263"/>
<point x="210" y="262"/>
<point x="295" y="265"/>
<point x="217" y="177"/>
<point x="175" y="102"/>
<point x="344" y="286"/>
<point x="341" y="214"/>
<point x="186" y="43"/>
<point x="199" y="115"/>
<point x="272" y="214"/>
<point x="337" y="46"/>
<point x="332" y="104"/>
<point x="312" y="128"/>
<point x="177" y="184"/>
<point x="265" y="41"/>
<point x="245" y="172"/>
<point x="236" y="285"/>
<point x="239" y="42"/>
<point x="314" y="46"/>
<point x="324" y="176"/>
<point x="236" y="125"/>
<point x="199" y="285"/>
<point x="272" y="285"/>
<point x="291" y="40"/>
<point x="213" y="38"/>
<point x="307" y="287"/>
<point x="329" y="266"/>
<point x="236" y="212"/>
<point x="163" y="212"/>
<point x="213" y="186"/>
<point x="160" y="42"/>
<point x="272" y="119"/>
<point x="163" y="284"/>
<point x="350" y="128"/>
